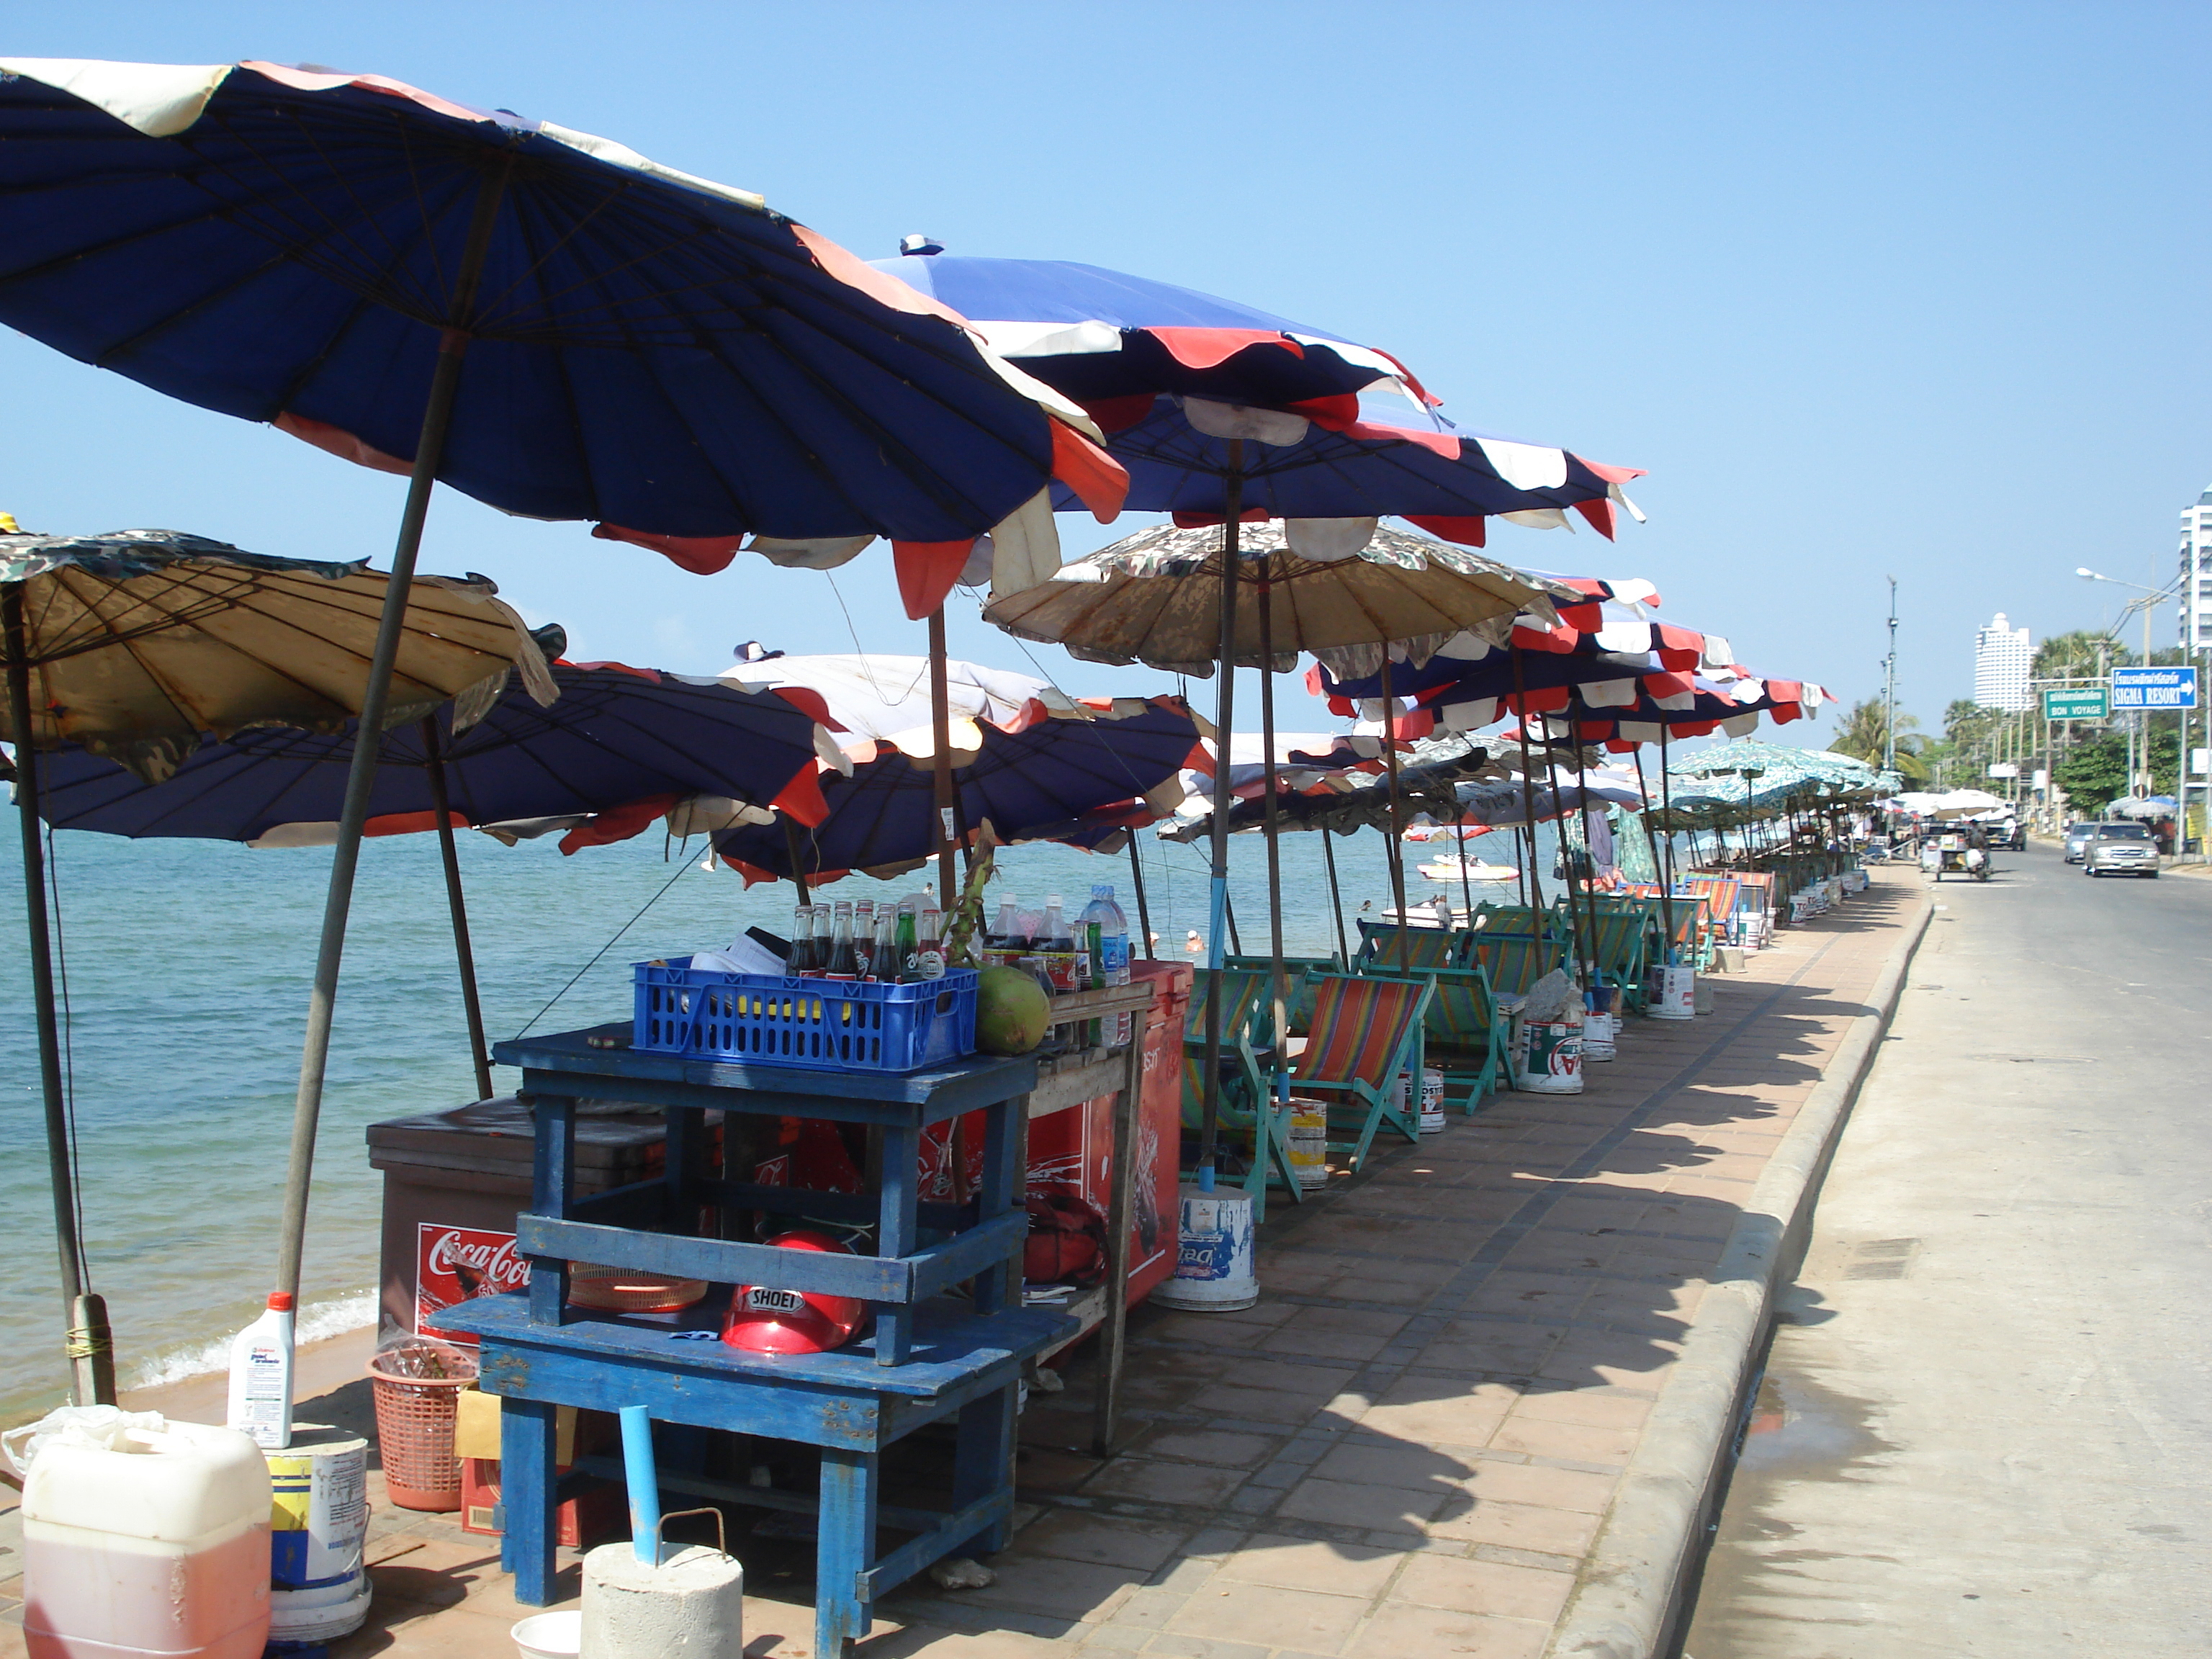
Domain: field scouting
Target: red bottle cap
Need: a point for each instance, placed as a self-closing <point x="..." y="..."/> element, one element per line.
<point x="280" y="1301"/>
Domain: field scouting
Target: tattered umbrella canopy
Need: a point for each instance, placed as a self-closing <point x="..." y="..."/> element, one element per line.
<point x="1155" y="597"/>
<point x="142" y="640"/>
<point x="1697" y="707"/>
<point x="1047" y="772"/>
<point x="621" y="741"/>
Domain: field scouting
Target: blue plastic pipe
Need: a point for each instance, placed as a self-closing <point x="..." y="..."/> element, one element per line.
<point x="644" y="1482"/>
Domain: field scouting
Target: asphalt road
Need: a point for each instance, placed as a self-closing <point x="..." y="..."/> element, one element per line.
<point x="1986" y="1425"/>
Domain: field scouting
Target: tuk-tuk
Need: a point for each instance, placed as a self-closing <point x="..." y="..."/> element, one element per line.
<point x="1952" y="852"/>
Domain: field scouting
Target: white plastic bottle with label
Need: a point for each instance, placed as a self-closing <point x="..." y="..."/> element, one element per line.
<point x="261" y="1376"/>
<point x="1113" y="951"/>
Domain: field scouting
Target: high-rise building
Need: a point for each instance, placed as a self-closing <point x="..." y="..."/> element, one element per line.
<point x="2002" y="663"/>
<point x="2197" y="575"/>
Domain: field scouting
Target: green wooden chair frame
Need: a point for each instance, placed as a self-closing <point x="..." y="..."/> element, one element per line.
<point x="1247" y="1103"/>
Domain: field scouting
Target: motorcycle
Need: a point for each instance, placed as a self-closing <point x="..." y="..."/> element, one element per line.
<point x="1952" y="854"/>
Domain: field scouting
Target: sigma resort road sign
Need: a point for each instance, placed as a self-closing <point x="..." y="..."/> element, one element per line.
<point x="2087" y="703"/>
<point x="2153" y="688"/>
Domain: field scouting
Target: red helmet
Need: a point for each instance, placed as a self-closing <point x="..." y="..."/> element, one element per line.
<point x="766" y="1321"/>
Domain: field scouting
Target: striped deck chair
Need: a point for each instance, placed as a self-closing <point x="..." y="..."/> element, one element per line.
<point x="1514" y="962"/>
<point x="1724" y="896"/>
<point x="1516" y="918"/>
<point x="1366" y="1030"/>
<point x="1300" y="969"/>
<point x="1616" y="934"/>
<point x="1424" y="948"/>
<point x="1463" y="1036"/>
<point x="1247" y="1110"/>
<point x="1693" y="926"/>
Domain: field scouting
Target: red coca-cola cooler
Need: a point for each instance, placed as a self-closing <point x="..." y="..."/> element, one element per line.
<point x="1073" y="1150"/>
<point x="453" y="1183"/>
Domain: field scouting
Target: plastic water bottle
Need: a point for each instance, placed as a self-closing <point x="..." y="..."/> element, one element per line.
<point x="261" y="1376"/>
<point x="1112" y="953"/>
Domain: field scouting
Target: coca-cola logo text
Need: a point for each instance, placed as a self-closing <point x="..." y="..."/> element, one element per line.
<point x="487" y="1257"/>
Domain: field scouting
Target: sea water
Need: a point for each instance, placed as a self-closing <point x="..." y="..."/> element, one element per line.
<point x="187" y="971"/>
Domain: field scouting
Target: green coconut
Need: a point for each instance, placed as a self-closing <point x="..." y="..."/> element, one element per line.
<point x="1012" y="1012"/>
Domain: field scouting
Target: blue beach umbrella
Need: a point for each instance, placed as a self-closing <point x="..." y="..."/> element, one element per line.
<point x="543" y="318"/>
<point x="620" y="747"/>
<point x="881" y="820"/>
<point x="1222" y="413"/>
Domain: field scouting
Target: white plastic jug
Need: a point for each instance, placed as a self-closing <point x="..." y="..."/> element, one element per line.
<point x="159" y="1545"/>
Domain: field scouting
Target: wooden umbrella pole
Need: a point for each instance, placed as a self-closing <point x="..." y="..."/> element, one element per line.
<point x="1466" y="881"/>
<point x="1224" y="728"/>
<point x="940" y="735"/>
<point x="361" y="770"/>
<point x="1136" y="881"/>
<point x="1662" y="864"/>
<point x="87" y="1342"/>
<point x="1575" y="940"/>
<point x="1335" y="896"/>
<point x="1533" y="896"/>
<point x="1397" y="845"/>
<point x="1264" y="596"/>
<point x="464" y="954"/>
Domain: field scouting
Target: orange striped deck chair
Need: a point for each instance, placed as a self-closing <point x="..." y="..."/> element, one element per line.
<point x="1514" y="962"/>
<point x="1300" y="1010"/>
<point x="1366" y="1030"/>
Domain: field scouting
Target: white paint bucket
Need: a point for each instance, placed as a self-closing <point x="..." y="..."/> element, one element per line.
<point x="1214" y="1259"/>
<point x="1672" y="994"/>
<point x="1309" y="1142"/>
<point x="1551" y="1055"/>
<point x="1433" y="1101"/>
<point x="1598" y="1034"/>
<point x="318" y="1485"/>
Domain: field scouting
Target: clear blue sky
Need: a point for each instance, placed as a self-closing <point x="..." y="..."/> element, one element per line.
<point x="1871" y="290"/>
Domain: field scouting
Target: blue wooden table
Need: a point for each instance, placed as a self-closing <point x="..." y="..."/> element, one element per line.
<point x="928" y="1357"/>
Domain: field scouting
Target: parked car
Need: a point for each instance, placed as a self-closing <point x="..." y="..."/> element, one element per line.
<point x="2008" y="835"/>
<point x="2078" y="837"/>
<point x="2121" y="849"/>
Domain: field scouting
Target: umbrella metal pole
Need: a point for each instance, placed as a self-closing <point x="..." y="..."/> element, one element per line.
<point x="1397" y="829"/>
<point x="1533" y="896"/>
<point x="88" y="1344"/>
<point x="361" y="770"/>
<point x="940" y="734"/>
<point x="1137" y="880"/>
<point x="1224" y="728"/>
<point x="792" y="851"/>
<point x="1335" y="897"/>
<point x="1575" y="939"/>
<point x="463" y="953"/>
<point x="1466" y="881"/>
<point x="1265" y="596"/>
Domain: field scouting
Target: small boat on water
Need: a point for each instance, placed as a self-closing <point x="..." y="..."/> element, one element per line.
<point x="1450" y="866"/>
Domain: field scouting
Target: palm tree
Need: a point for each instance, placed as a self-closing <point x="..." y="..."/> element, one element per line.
<point x="1863" y="734"/>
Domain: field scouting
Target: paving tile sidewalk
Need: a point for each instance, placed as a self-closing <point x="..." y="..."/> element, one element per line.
<point x="1409" y="1446"/>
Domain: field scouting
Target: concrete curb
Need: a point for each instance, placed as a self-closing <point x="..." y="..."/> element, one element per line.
<point x="1626" y="1601"/>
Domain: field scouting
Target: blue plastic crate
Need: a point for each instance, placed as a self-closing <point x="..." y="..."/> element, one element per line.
<point x="822" y="1024"/>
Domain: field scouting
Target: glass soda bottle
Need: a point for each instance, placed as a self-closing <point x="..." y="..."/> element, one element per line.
<point x="884" y="960"/>
<point x="837" y="959"/>
<point x="800" y="960"/>
<point x="906" y="936"/>
<point x="1003" y="944"/>
<point x="929" y="928"/>
<point x="864" y="937"/>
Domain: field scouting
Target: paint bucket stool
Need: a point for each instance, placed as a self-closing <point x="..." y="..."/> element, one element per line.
<point x="1433" y="1101"/>
<point x="1600" y="1024"/>
<point x="1673" y="993"/>
<point x="1214" y="1258"/>
<point x="318" y="1588"/>
<point x="1309" y="1142"/>
<point x="1548" y="1055"/>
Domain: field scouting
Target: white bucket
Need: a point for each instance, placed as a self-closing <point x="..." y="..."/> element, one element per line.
<point x="1673" y="993"/>
<point x="1213" y="1261"/>
<point x="1309" y="1142"/>
<point x="1433" y="1101"/>
<point x="1599" y="1030"/>
<point x="1550" y="1055"/>
<point x="319" y="1488"/>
